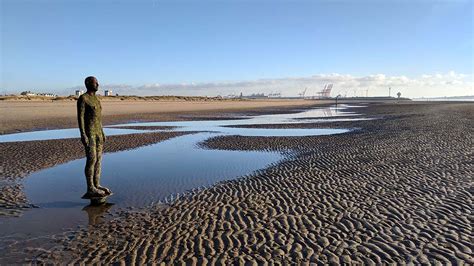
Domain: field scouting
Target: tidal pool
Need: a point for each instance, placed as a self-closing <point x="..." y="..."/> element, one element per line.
<point x="62" y="134"/>
<point x="138" y="178"/>
<point x="316" y="115"/>
<point x="146" y="175"/>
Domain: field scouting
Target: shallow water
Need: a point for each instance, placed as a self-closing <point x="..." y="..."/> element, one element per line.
<point x="138" y="178"/>
<point x="62" y="134"/>
<point x="146" y="175"/>
<point x="317" y="115"/>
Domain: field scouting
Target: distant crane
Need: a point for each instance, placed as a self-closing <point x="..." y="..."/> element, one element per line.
<point x="302" y="94"/>
<point x="326" y="92"/>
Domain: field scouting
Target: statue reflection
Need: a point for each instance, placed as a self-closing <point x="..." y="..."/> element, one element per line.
<point x="96" y="212"/>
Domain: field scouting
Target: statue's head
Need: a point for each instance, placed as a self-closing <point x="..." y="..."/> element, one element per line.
<point x="91" y="84"/>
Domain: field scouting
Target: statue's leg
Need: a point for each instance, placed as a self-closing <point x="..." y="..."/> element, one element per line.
<point x="90" y="163"/>
<point x="98" y="167"/>
<point x="91" y="160"/>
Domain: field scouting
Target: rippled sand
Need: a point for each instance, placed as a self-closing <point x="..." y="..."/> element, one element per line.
<point x="19" y="159"/>
<point x="397" y="190"/>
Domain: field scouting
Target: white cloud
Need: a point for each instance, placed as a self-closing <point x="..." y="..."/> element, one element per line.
<point x="427" y="85"/>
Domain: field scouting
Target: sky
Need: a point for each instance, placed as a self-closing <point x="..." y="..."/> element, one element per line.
<point x="222" y="47"/>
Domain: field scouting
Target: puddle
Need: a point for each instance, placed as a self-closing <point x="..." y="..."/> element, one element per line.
<point x="138" y="178"/>
<point x="62" y="134"/>
<point x="329" y="114"/>
<point x="146" y="175"/>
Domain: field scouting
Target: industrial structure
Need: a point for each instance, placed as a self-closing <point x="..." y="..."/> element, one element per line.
<point x="326" y="92"/>
<point x="274" y="95"/>
<point x="303" y="93"/>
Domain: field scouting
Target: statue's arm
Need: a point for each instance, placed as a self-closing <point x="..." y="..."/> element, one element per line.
<point x="103" y="134"/>
<point x="81" y="110"/>
<point x="101" y="127"/>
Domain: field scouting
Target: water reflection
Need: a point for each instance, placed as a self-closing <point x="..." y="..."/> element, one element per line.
<point x="316" y="115"/>
<point x="150" y="174"/>
<point x="62" y="134"/>
<point x="95" y="213"/>
<point x="138" y="177"/>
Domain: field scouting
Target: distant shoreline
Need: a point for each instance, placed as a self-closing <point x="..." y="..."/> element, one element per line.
<point x="443" y="99"/>
<point x="118" y="98"/>
<point x="28" y="115"/>
<point x="192" y="98"/>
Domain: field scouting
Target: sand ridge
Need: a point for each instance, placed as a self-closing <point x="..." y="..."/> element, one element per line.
<point x="399" y="190"/>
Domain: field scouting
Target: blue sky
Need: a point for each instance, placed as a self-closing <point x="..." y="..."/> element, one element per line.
<point x="207" y="47"/>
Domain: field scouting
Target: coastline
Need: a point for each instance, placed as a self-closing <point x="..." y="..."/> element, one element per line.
<point x="394" y="191"/>
<point x="23" y="116"/>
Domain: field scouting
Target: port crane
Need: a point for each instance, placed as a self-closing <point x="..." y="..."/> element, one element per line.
<point x="326" y="92"/>
<point x="302" y="94"/>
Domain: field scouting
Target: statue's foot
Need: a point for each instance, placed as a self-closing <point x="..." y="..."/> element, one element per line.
<point x="94" y="193"/>
<point x="105" y="190"/>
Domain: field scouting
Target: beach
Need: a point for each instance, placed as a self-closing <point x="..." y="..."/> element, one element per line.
<point x="24" y="115"/>
<point x="395" y="189"/>
<point x="18" y="159"/>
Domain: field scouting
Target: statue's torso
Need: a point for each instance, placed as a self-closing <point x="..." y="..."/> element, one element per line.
<point x="92" y="115"/>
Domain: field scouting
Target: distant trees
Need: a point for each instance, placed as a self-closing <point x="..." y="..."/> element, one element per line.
<point x="399" y="94"/>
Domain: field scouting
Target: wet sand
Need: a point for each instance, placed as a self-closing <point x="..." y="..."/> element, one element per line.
<point x="396" y="190"/>
<point x="20" y="116"/>
<point x="18" y="159"/>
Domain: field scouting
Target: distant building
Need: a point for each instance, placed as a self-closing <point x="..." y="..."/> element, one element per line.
<point x="28" y="93"/>
<point x="48" y="94"/>
<point x="256" y="96"/>
<point x="108" y="93"/>
<point x="79" y="92"/>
